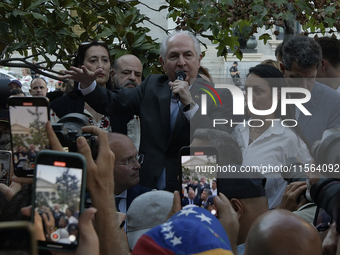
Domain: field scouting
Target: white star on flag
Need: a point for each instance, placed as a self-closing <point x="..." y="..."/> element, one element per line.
<point x="169" y="235"/>
<point x="187" y="212"/>
<point x="166" y="228"/>
<point x="167" y="223"/>
<point x="176" y="240"/>
<point x="204" y="218"/>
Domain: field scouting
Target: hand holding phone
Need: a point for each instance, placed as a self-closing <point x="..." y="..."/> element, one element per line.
<point x="59" y="178"/>
<point x="28" y="117"/>
<point x="88" y="239"/>
<point x="198" y="175"/>
<point x="100" y="183"/>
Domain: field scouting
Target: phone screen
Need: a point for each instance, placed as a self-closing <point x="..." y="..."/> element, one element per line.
<point x="28" y="117"/>
<point x="5" y="167"/>
<point x="59" y="194"/>
<point x="199" y="175"/>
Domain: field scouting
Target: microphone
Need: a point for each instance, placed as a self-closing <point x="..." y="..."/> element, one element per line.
<point x="180" y="75"/>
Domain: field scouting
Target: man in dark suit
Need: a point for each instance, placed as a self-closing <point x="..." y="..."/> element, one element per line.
<point x="191" y="199"/>
<point x="301" y="59"/>
<point x="168" y="107"/>
<point x="126" y="172"/>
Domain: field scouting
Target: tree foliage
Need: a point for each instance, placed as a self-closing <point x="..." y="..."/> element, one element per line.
<point x="216" y="19"/>
<point x="57" y="27"/>
<point x="68" y="189"/>
<point x="37" y="130"/>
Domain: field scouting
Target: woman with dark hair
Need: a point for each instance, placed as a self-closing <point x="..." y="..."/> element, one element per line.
<point x="93" y="55"/>
<point x="268" y="140"/>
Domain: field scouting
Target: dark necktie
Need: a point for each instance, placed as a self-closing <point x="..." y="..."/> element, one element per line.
<point x="117" y="203"/>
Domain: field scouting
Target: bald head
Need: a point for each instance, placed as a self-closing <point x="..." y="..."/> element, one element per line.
<point x="280" y="232"/>
<point x="191" y="194"/>
<point x="127" y="72"/>
<point x="125" y="176"/>
<point x="117" y="140"/>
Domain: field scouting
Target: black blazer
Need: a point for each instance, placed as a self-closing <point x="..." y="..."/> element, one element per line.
<point x="75" y="104"/>
<point x="135" y="192"/>
<point x="185" y="201"/>
<point x="151" y="102"/>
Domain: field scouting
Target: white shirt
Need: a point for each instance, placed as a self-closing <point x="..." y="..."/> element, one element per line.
<point x="133" y="130"/>
<point x="122" y="204"/>
<point x="26" y="83"/>
<point x="271" y="148"/>
<point x="214" y="192"/>
<point x="72" y="220"/>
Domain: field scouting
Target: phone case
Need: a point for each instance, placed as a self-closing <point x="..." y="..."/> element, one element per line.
<point x="61" y="167"/>
<point x="28" y="116"/>
<point x="18" y="236"/>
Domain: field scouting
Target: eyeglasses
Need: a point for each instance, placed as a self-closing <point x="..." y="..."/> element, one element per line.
<point x="132" y="162"/>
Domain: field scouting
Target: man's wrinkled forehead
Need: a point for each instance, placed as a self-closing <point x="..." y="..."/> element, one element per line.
<point x="298" y="71"/>
<point x="176" y="42"/>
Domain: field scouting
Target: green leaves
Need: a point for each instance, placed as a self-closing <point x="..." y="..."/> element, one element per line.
<point x="35" y="4"/>
<point x="265" y="37"/>
<point x="57" y="27"/>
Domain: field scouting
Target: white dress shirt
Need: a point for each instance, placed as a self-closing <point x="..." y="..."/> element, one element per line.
<point x="122" y="202"/>
<point x="271" y="148"/>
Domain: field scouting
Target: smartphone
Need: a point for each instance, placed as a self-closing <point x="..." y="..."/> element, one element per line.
<point x="27" y="117"/>
<point x="5" y="167"/>
<point x="17" y="237"/>
<point x="58" y="191"/>
<point x="198" y="174"/>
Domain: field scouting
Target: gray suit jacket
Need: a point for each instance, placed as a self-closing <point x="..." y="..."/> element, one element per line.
<point x="324" y="106"/>
<point x="151" y="102"/>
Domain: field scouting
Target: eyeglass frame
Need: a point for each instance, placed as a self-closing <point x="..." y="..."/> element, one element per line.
<point x="139" y="158"/>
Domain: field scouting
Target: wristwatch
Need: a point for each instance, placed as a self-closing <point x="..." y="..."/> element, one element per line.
<point x="189" y="107"/>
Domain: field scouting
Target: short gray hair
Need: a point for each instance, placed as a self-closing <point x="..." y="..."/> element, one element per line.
<point x="228" y="149"/>
<point x="303" y="50"/>
<point x="164" y="45"/>
<point x="36" y="78"/>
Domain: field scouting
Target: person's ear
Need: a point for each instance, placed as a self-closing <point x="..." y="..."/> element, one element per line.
<point x="237" y="205"/>
<point x="112" y="74"/>
<point x="324" y="65"/>
<point x="282" y="68"/>
<point x="161" y="60"/>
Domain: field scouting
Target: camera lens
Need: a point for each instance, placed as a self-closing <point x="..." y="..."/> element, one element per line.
<point x="326" y="194"/>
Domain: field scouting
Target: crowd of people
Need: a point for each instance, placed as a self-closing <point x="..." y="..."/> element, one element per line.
<point x="141" y="124"/>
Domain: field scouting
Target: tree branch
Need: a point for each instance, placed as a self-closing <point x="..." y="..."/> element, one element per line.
<point x="147" y="6"/>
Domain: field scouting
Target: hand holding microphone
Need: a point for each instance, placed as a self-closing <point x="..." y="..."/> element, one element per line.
<point x="186" y="99"/>
<point x="180" y="75"/>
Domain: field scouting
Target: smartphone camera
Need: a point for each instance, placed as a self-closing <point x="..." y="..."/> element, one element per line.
<point x="68" y="129"/>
